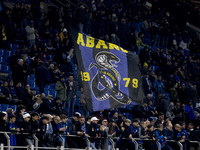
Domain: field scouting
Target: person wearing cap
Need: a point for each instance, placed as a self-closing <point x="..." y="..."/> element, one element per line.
<point x="63" y="35"/>
<point x="71" y="94"/>
<point x="30" y="34"/>
<point x="93" y="130"/>
<point x="58" y="106"/>
<point x="61" y="88"/>
<point x="26" y="128"/>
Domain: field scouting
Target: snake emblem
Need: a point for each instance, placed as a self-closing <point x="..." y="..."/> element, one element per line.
<point x="105" y="83"/>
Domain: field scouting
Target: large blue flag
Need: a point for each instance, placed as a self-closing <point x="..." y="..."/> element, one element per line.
<point x="110" y="74"/>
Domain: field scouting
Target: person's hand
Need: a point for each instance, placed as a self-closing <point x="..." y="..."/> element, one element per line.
<point x="154" y="139"/>
<point x="18" y="129"/>
<point x="79" y="133"/>
<point x="122" y="128"/>
<point x="38" y="130"/>
<point x="86" y="135"/>
<point x="67" y="133"/>
<point x="74" y="96"/>
<point x="130" y="136"/>
<point x="147" y="136"/>
<point x="113" y="134"/>
<point x="165" y="138"/>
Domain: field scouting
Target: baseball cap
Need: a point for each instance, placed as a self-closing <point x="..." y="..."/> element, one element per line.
<point x="26" y="115"/>
<point x="64" y="30"/>
<point x="94" y="119"/>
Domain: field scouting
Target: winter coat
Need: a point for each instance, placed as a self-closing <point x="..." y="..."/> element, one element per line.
<point x="61" y="88"/>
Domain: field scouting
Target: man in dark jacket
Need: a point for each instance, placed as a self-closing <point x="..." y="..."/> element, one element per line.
<point x="46" y="106"/>
<point x="35" y="128"/>
<point x="93" y="130"/>
<point x="71" y="95"/>
<point x="193" y="135"/>
<point x="41" y="76"/>
<point x="192" y="93"/>
<point x="3" y="127"/>
<point x="18" y="74"/>
<point x="81" y="126"/>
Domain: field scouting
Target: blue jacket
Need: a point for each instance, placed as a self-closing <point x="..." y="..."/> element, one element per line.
<point x="169" y="134"/>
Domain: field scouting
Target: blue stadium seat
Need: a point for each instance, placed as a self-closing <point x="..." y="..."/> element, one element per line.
<point x="1" y="52"/>
<point x="1" y="60"/>
<point x="7" y="53"/>
<point x="32" y="84"/>
<point x="167" y="95"/>
<point x="14" y="107"/>
<point x="53" y="93"/>
<point x="46" y="92"/>
<point x="32" y="77"/>
<point x="52" y="86"/>
<point x="4" y="107"/>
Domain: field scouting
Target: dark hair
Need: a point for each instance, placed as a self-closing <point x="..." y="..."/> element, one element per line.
<point x="45" y="117"/>
<point x="82" y="117"/>
<point x="20" y="107"/>
<point x="63" y="116"/>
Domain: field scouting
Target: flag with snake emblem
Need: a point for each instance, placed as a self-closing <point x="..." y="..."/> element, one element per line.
<point x="109" y="74"/>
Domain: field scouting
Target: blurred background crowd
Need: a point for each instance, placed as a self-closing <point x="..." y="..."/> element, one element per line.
<point x="39" y="69"/>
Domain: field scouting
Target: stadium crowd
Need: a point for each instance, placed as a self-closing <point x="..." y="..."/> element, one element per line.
<point x="44" y="60"/>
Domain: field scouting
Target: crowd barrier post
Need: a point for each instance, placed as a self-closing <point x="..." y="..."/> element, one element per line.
<point x="180" y="145"/>
<point x="159" y="145"/>
<point x="136" y="144"/>
<point x="1" y="146"/>
<point x="8" y="140"/>
<point x="32" y="147"/>
<point x="112" y="142"/>
<point x="63" y="141"/>
<point x="36" y="141"/>
<point x="88" y="142"/>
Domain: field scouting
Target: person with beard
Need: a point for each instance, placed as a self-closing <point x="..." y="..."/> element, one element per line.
<point x="81" y="126"/>
<point x="93" y="130"/>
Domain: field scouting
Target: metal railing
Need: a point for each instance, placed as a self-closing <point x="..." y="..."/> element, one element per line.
<point x="110" y="138"/>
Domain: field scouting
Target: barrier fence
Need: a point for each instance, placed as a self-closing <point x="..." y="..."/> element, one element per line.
<point x="110" y="138"/>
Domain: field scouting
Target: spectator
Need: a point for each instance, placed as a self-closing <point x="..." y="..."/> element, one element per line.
<point x="3" y="126"/>
<point x="151" y="136"/>
<point x="13" y="128"/>
<point x="159" y="86"/>
<point x="93" y="130"/>
<point x="18" y="74"/>
<point x="30" y="34"/>
<point x="83" y="103"/>
<point x="58" y="106"/>
<point x="161" y="138"/>
<point x="71" y="95"/>
<point x="34" y="121"/>
<point x="81" y="126"/>
<point x="160" y="119"/>
<point x="193" y="136"/>
<point x="41" y="77"/>
<point x="192" y="93"/>
<point x="61" y="88"/>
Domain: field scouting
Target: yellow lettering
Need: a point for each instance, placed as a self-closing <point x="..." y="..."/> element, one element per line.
<point x="101" y="43"/>
<point x="135" y="83"/>
<point x="113" y="46"/>
<point x="80" y="39"/>
<point x="123" y="50"/>
<point x="85" y="76"/>
<point x="127" y="81"/>
<point x="90" y="42"/>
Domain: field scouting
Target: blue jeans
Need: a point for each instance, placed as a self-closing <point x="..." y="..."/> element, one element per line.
<point x="92" y="144"/>
<point x="70" y="105"/>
